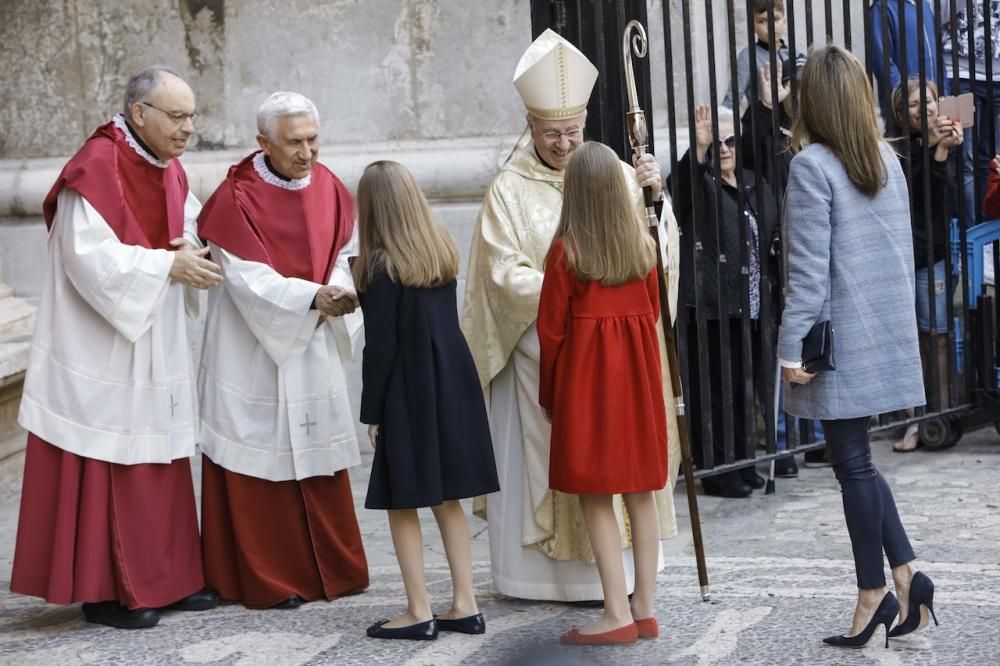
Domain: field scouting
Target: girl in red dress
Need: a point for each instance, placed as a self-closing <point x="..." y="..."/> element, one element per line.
<point x="600" y="382"/>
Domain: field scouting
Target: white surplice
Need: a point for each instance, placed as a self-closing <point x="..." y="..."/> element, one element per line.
<point x="274" y="402"/>
<point x="110" y="375"/>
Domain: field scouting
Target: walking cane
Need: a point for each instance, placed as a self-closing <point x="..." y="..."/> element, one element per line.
<point x="638" y="135"/>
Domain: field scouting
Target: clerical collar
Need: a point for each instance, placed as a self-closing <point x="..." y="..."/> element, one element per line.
<point x="270" y="167"/>
<point x="137" y="144"/>
<point x="271" y="177"/>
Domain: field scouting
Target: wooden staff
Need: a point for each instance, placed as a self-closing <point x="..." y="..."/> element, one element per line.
<point x="635" y="119"/>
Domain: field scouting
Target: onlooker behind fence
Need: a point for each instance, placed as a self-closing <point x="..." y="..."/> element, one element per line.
<point x="943" y="134"/>
<point x="982" y="139"/>
<point x="991" y="211"/>
<point x="744" y="73"/>
<point x="721" y="259"/>
<point x="848" y="261"/>
<point x="888" y="46"/>
<point x="765" y="150"/>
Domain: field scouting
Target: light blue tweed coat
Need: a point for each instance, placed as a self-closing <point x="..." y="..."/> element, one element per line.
<point x="849" y="258"/>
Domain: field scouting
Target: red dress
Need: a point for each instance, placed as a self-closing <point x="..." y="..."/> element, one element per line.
<point x="600" y="378"/>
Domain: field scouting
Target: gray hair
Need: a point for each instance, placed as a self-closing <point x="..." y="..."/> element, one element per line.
<point x="279" y="105"/>
<point x="725" y="115"/>
<point x="141" y="85"/>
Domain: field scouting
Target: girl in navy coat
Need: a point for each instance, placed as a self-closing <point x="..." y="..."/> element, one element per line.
<point x="421" y="396"/>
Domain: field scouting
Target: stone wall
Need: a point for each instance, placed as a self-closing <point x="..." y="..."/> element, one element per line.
<point x="424" y="82"/>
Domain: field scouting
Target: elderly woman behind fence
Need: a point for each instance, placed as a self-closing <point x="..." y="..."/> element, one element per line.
<point x="849" y="260"/>
<point x="718" y="278"/>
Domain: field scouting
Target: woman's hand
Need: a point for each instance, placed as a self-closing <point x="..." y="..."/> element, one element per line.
<point x="947" y="134"/>
<point x="797" y="375"/>
<point x="373" y="433"/>
<point x="995" y="164"/>
<point x="703" y="135"/>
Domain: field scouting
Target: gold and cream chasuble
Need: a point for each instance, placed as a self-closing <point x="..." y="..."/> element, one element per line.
<point x="515" y="228"/>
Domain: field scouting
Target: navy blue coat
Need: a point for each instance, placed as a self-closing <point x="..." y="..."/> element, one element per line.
<point x="421" y="387"/>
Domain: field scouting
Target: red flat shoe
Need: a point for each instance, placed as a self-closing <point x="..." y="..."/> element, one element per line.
<point x="648" y="628"/>
<point x="620" y="636"/>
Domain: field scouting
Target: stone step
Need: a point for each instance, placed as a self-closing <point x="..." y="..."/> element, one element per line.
<point x="12" y="467"/>
<point x="17" y="319"/>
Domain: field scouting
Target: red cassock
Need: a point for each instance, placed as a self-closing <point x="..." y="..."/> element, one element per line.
<point x="601" y="380"/>
<point x="91" y="530"/>
<point x="265" y="541"/>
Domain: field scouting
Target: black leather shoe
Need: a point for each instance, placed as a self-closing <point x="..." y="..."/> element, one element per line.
<point x="752" y="478"/>
<point x="421" y="631"/>
<point x="727" y="485"/>
<point x="293" y="601"/>
<point x="113" y="614"/>
<point x="199" y="601"/>
<point x="473" y="624"/>
<point x="786" y="468"/>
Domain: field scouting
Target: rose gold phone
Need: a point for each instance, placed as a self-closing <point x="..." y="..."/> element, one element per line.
<point x="961" y="108"/>
<point x="966" y="110"/>
<point x="948" y="107"/>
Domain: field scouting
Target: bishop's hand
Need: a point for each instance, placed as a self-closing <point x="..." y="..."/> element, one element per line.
<point x="647" y="174"/>
<point x="191" y="268"/>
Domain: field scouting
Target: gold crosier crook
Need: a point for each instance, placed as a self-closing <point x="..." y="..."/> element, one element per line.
<point x="636" y="42"/>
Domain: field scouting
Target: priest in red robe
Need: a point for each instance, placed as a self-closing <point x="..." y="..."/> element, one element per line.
<point x="107" y="507"/>
<point x="278" y="432"/>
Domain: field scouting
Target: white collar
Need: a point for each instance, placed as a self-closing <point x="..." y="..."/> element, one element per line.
<point x="260" y="166"/>
<point x="119" y="122"/>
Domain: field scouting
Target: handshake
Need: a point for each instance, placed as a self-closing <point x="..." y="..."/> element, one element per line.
<point x="334" y="301"/>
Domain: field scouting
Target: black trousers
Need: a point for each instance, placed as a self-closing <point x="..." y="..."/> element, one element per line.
<point x="872" y="519"/>
<point x="710" y="350"/>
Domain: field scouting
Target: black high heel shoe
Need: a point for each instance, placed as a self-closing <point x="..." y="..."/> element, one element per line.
<point x="921" y="594"/>
<point x="884" y="614"/>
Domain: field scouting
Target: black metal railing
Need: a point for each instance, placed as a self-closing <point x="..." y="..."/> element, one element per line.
<point x="695" y="33"/>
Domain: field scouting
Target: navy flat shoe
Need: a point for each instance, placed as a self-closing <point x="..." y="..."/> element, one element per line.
<point x="421" y="631"/>
<point x="473" y="624"/>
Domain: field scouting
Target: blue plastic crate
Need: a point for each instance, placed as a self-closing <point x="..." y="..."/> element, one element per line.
<point x="976" y="238"/>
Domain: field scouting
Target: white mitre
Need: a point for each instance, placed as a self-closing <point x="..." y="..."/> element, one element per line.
<point x="554" y="79"/>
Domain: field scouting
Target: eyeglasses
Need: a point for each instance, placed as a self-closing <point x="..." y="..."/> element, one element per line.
<point x="574" y="134"/>
<point x="177" y="116"/>
<point x="729" y="142"/>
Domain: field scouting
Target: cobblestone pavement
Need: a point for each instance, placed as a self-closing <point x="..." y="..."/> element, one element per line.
<point x="780" y="570"/>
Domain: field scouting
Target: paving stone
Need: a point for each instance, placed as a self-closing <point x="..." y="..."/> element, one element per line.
<point x="780" y="569"/>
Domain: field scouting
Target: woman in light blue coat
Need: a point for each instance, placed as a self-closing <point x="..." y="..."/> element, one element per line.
<point x="849" y="260"/>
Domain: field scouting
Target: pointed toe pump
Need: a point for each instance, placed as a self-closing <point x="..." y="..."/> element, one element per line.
<point x="884" y="614"/>
<point x="921" y="597"/>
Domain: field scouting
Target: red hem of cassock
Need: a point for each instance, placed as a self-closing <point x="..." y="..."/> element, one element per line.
<point x="91" y="530"/>
<point x="265" y="541"/>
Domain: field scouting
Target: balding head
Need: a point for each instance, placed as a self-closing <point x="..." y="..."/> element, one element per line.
<point x="159" y="106"/>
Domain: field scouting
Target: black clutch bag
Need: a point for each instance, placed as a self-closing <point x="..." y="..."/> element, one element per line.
<point x="817" y="348"/>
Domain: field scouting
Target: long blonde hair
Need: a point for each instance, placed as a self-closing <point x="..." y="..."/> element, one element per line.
<point x="603" y="237"/>
<point x="398" y="232"/>
<point x="837" y="109"/>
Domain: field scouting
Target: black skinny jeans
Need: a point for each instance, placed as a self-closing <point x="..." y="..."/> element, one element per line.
<point x="872" y="520"/>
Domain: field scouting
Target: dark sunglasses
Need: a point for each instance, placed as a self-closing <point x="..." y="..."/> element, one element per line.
<point x="728" y="142"/>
